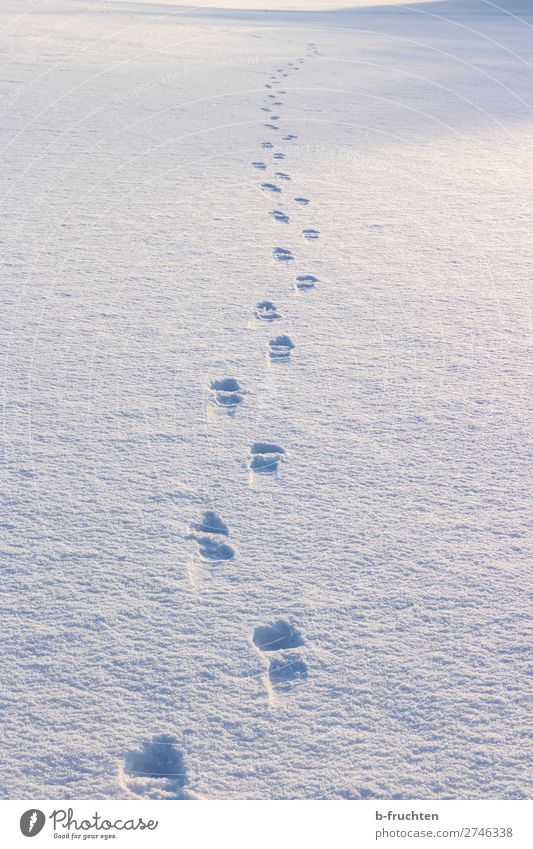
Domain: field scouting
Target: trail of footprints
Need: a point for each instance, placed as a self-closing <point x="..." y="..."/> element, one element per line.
<point x="156" y="770"/>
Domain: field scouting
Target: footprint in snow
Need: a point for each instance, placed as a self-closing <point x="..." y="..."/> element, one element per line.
<point x="156" y="770"/>
<point x="302" y="201"/>
<point x="278" y="215"/>
<point x="267" y="145"/>
<point x="279" y="349"/>
<point x="227" y="393"/>
<point x="275" y="117"/>
<point x="311" y="234"/>
<point x="261" y="166"/>
<point x="270" y="187"/>
<point x="210" y="546"/>
<point x="282" y="176"/>
<point x="266" y="311"/>
<point x="282" y="255"/>
<point x="280" y="638"/>
<point x="265" y="458"/>
<point x="278" y="155"/>
<point x="306" y="281"/>
<point x="271" y="126"/>
<point x="265" y="108"/>
<point x="289" y="137"/>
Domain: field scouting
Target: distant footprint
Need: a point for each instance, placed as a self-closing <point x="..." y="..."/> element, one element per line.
<point x="278" y="156"/>
<point x="265" y="457"/>
<point x="278" y="215"/>
<point x="270" y="187"/>
<point x="311" y="234"/>
<point x="266" y="311"/>
<point x="265" y="108"/>
<point x="280" y="348"/>
<point x="282" y="176"/>
<point x="156" y="770"/>
<point x="275" y="117"/>
<point x="267" y="145"/>
<point x="227" y="393"/>
<point x="261" y="166"/>
<point x="277" y="103"/>
<point x="282" y="254"/>
<point x="306" y="281"/>
<point x="289" y="137"/>
<point x="302" y="201"/>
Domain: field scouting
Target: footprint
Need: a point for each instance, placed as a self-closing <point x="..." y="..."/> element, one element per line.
<point x="156" y="770"/>
<point x="276" y="636"/>
<point x="281" y="91"/>
<point x="268" y="85"/>
<point x="266" y="311"/>
<point x="277" y="103"/>
<point x="265" y="460"/>
<point x="271" y="126"/>
<point x="306" y="281"/>
<point x="213" y="549"/>
<point x="275" y="117"/>
<point x="267" y="145"/>
<point x="289" y="667"/>
<point x="282" y="254"/>
<point x="289" y="137"/>
<point x="261" y="166"/>
<point x="302" y="201"/>
<point x="278" y="155"/>
<point x="280" y="348"/>
<point x="227" y="392"/>
<point x="278" y="215"/>
<point x="265" y="108"/>
<point x="311" y="234"/>
<point x="271" y="96"/>
<point x="282" y="176"/>
<point x="270" y="187"/>
<point x="211" y="524"/>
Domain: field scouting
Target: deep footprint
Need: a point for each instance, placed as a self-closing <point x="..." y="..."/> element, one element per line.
<point x="266" y="311"/>
<point x="227" y="392"/>
<point x="306" y="281"/>
<point x="280" y="348"/>
<point x="270" y="187"/>
<point x="156" y="770"/>
<point x="211" y="524"/>
<point x="282" y="254"/>
<point x="265" y="457"/>
<point x="285" y="669"/>
<point x="277" y="636"/>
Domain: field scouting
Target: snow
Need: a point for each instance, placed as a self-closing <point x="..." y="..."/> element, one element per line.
<point x="387" y="544"/>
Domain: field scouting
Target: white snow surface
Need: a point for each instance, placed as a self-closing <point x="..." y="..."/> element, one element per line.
<point x="379" y="544"/>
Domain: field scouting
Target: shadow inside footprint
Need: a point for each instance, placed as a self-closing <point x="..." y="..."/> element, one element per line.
<point x="302" y="201"/>
<point x="306" y="281"/>
<point x="227" y="392"/>
<point x="266" y="311"/>
<point x="278" y="215"/>
<point x="280" y="348"/>
<point x="213" y="549"/>
<point x="282" y="175"/>
<point x="211" y="524"/>
<point x="311" y="234"/>
<point x="270" y="187"/>
<point x="282" y="254"/>
<point x="156" y="770"/>
<point x="265" y="457"/>
<point x="289" y="667"/>
<point x="277" y="636"/>
<point x="261" y="166"/>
